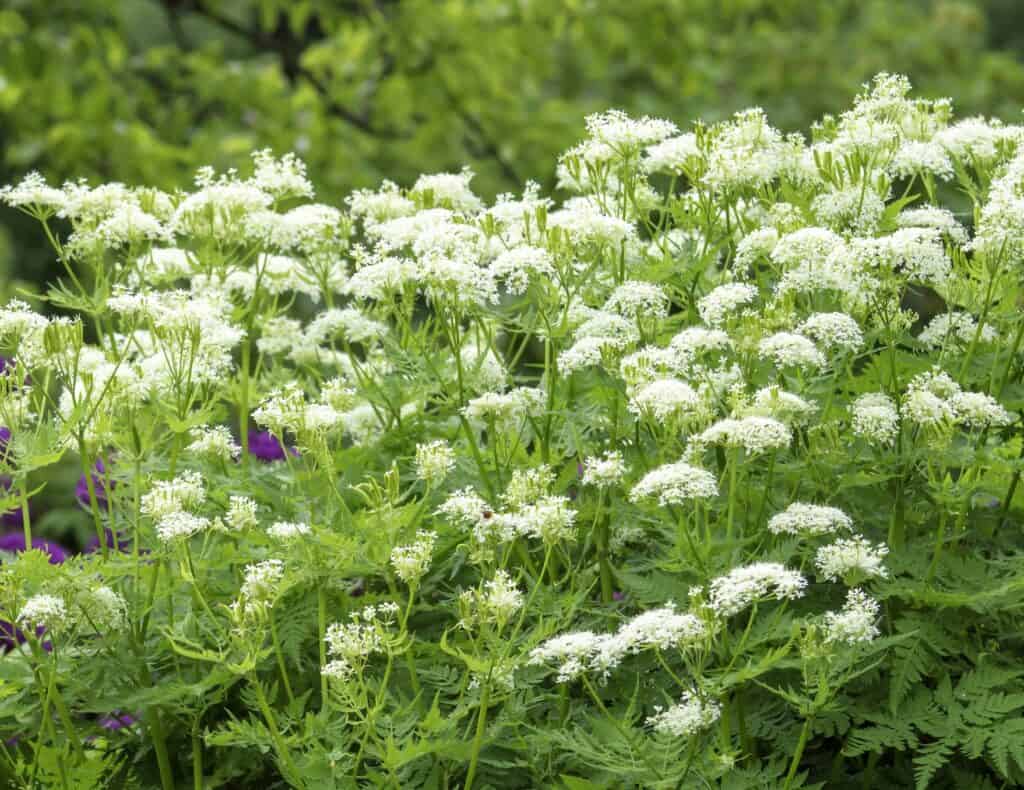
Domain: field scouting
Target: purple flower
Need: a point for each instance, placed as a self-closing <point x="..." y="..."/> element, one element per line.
<point x="618" y="595"/>
<point x="116" y="721"/>
<point x="15" y="542"/>
<point x="265" y="446"/>
<point x="99" y="486"/>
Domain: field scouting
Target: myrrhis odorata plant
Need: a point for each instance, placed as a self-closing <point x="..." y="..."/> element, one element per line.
<point x="703" y="473"/>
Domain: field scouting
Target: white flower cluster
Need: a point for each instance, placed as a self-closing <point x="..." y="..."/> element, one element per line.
<point x="856" y="622"/>
<point x="725" y="302"/>
<point x="933" y="399"/>
<point x="434" y="461"/>
<point x="674" y="484"/>
<point x="45" y="611"/>
<point x="875" y="418"/>
<point x="242" y="513"/>
<point x="851" y="558"/>
<point x="804" y="519"/>
<point x="102" y="609"/>
<point x="665" y="399"/>
<point x="585" y="651"/>
<point x="288" y="530"/>
<point x="261" y="581"/>
<point x="790" y="350"/>
<point x="686" y="718"/>
<point x="287" y="410"/>
<point x="168" y="504"/>
<point x="495" y="604"/>
<point x="351" y="644"/>
<point x="957" y="330"/>
<point x="604" y="471"/>
<point x="754" y="434"/>
<point x="412" y="561"/>
<point x="214" y="441"/>
<point x="746" y="585"/>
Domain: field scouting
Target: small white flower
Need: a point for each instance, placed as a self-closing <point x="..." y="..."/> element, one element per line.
<point x="288" y="530"/>
<point x="242" y="513"/>
<point x="849" y="558"/>
<point x="834" y="331"/>
<point x="434" y="461"/>
<point x="875" y="418"/>
<point x="575" y="654"/>
<point x="686" y="718"/>
<point x="957" y="330"/>
<point x="499" y="599"/>
<point x="665" y="399"/>
<point x="801" y="518"/>
<point x="46" y="611"/>
<point x="724" y="302"/>
<point x="412" y="561"/>
<point x="978" y="410"/>
<point x="184" y="492"/>
<point x="790" y="350"/>
<point x="741" y="587"/>
<point x="180" y="525"/>
<point x="638" y="299"/>
<point x="262" y="580"/>
<point x="674" y="484"/>
<point x="855" y="622"/>
<point x="549" y="518"/>
<point x="662" y="628"/>
<point x="786" y="407"/>
<point x="103" y="609"/>
<point x="214" y="442"/>
<point x="603" y="471"/>
<point x="754" y="434"/>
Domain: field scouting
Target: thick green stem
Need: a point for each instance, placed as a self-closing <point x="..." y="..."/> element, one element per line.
<point x="163" y="758"/>
<point x="801" y="744"/>
<point x="197" y="758"/>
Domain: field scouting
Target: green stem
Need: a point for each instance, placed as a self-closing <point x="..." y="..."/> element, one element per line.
<point x="481" y="726"/>
<point x="243" y="403"/>
<point x="163" y="758"/>
<point x="197" y="758"/>
<point x="26" y="518"/>
<point x="321" y="623"/>
<point x="733" y="465"/>
<point x="794" y="764"/>
<point x="291" y="773"/>
<point x="93" y="503"/>
<point x="940" y="536"/>
<point x="280" y="658"/>
<point x="603" y="559"/>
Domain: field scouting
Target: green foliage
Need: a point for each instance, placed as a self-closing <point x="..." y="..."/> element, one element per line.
<point x="707" y="476"/>
<point x="145" y="91"/>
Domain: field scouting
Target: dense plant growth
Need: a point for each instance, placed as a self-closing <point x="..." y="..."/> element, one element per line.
<point x="146" y="91"/>
<point x="704" y="477"/>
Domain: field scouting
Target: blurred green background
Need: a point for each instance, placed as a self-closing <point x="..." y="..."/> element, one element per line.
<point x="147" y="90"/>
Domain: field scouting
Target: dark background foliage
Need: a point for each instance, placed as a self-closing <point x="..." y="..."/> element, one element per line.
<point x="148" y="90"/>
